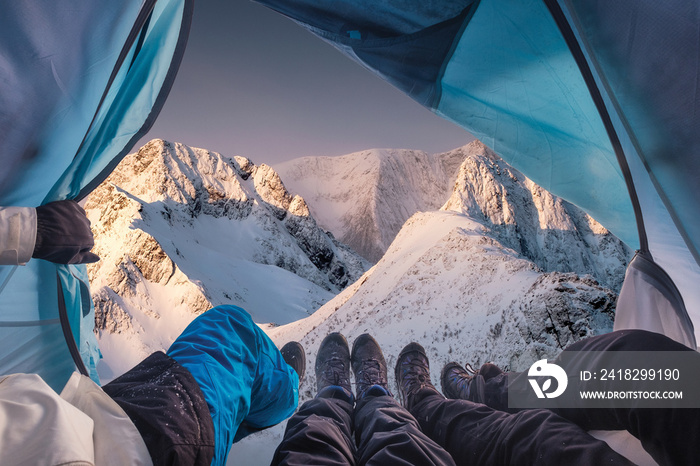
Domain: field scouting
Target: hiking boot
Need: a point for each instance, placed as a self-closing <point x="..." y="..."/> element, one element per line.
<point x="466" y="383"/>
<point x="333" y="363"/>
<point x="413" y="374"/>
<point x="369" y="367"/>
<point x="293" y="354"/>
<point x="455" y="380"/>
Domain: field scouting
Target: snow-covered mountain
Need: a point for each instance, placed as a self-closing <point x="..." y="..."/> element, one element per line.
<point x="180" y="230"/>
<point x="504" y="272"/>
<point x="449" y="284"/>
<point x="365" y="198"/>
<point x="552" y="233"/>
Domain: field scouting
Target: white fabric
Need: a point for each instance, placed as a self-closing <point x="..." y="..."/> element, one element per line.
<point x="17" y="234"/>
<point x="38" y="427"/>
<point x="117" y="441"/>
<point x="625" y="444"/>
<point x="641" y="305"/>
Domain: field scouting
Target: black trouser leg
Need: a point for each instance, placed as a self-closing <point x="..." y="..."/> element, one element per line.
<point x="664" y="432"/>
<point x="387" y="434"/>
<point x="474" y="434"/>
<point x="147" y="394"/>
<point x="319" y="433"/>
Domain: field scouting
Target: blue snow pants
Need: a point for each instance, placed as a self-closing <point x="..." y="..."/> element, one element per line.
<point x="245" y="381"/>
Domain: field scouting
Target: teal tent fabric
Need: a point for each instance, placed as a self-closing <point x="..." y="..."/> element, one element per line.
<point x="80" y="85"/>
<point x="513" y="82"/>
<point x="648" y="54"/>
<point x="645" y="57"/>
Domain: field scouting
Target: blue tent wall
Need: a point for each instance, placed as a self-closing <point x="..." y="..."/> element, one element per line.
<point x="513" y="82"/>
<point x="109" y="69"/>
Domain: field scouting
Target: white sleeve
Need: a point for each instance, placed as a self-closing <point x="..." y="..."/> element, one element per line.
<point x="17" y="234"/>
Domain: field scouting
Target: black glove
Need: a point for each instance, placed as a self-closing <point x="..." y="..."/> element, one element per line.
<point x="63" y="234"/>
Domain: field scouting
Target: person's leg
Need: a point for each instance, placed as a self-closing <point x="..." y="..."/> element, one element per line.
<point x="386" y="433"/>
<point x="240" y="371"/>
<point x="166" y="405"/>
<point x="473" y="433"/>
<point x="663" y="432"/>
<point x="657" y="428"/>
<point x="321" y="431"/>
<point x="490" y="384"/>
<point x="476" y="434"/>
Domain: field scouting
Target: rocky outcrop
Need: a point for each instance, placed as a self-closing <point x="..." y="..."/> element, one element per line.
<point x="554" y="234"/>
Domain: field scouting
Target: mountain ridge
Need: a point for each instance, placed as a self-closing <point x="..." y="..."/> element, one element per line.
<point x="472" y="180"/>
<point x="496" y="269"/>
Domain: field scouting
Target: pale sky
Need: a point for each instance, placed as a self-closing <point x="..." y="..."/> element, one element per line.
<point x="254" y="83"/>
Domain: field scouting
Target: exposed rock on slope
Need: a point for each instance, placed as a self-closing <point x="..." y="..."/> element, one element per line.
<point x="554" y="234"/>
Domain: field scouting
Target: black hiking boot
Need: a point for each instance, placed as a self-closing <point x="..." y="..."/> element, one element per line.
<point x="466" y="383"/>
<point x="455" y="380"/>
<point x="413" y="375"/>
<point x="369" y="366"/>
<point x="333" y="363"/>
<point x="294" y="356"/>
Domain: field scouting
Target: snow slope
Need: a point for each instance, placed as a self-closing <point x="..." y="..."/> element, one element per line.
<point x="447" y="284"/>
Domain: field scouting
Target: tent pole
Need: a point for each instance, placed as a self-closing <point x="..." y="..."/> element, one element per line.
<point x="585" y="69"/>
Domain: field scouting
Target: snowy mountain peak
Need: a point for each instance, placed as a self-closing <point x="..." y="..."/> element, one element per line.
<point x="364" y="199"/>
<point x="270" y="188"/>
<point x="181" y="229"/>
<point x="554" y="234"/>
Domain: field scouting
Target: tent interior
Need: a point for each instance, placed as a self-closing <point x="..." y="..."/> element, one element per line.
<point x="595" y="101"/>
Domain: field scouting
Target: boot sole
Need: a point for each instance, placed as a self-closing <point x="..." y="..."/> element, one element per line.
<point x="297" y="345"/>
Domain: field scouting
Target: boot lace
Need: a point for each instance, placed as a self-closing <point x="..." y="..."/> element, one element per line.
<point x="415" y="375"/>
<point x="370" y="374"/>
<point x="334" y="372"/>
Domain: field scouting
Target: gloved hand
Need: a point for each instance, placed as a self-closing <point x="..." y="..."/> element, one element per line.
<point x="63" y="234"/>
